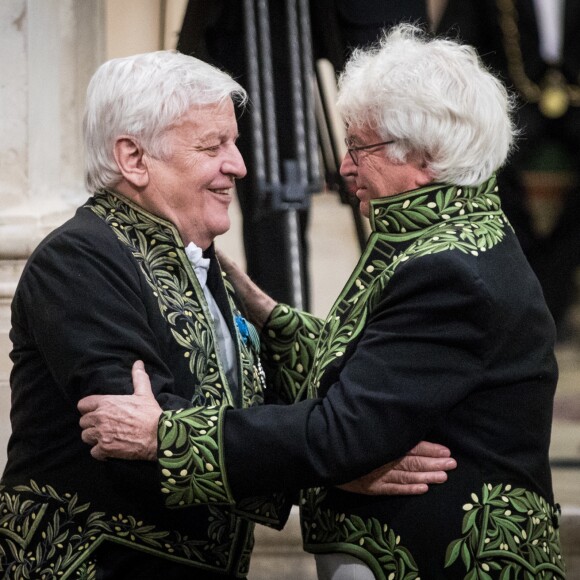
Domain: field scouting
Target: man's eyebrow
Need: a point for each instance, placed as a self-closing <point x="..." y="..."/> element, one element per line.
<point x="213" y="134"/>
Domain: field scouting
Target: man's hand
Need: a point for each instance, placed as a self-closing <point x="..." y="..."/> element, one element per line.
<point x="122" y="426"/>
<point x="411" y="475"/>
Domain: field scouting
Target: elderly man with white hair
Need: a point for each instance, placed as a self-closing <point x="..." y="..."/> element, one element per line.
<point x="133" y="275"/>
<point x="441" y="333"/>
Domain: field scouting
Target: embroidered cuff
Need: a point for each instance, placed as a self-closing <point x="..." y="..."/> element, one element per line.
<point x="288" y="347"/>
<point x="190" y="456"/>
<point x="272" y="511"/>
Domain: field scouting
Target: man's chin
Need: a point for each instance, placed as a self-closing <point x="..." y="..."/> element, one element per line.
<point x="222" y="228"/>
<point x="364" y="208"/>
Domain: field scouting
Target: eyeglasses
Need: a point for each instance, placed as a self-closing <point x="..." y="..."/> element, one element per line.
<point x="353" y="151"/>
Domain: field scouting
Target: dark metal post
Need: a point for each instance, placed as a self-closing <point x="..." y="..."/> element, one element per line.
<point x="284" y="183"/>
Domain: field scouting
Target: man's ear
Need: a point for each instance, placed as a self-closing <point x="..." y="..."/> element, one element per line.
<point x="129" y="156"/>
<point x="425" y="175"/>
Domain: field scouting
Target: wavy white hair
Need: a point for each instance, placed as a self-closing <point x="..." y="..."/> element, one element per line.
<point x="434" y="97"/>
<point x="142" y="96"/>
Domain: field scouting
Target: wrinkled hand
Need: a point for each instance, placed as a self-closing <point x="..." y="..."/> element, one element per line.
<point x="411" y="475"/>
<point x="122" y="426"/>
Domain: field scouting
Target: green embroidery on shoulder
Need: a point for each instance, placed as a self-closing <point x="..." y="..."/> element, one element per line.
<point x="378" y="546"/>
<point x="508" y="530"/>
<point x="189" y="456"/>
<point x="468" y="220"/>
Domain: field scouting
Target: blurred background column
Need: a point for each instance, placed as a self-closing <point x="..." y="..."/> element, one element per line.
<point x="50" y="49"/>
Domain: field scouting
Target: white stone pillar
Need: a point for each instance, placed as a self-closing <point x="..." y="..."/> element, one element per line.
<point x="50" y="49"/>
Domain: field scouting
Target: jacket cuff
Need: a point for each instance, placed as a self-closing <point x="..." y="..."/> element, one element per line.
<point x="272" y="511"/>
<point x="190" y="456"/>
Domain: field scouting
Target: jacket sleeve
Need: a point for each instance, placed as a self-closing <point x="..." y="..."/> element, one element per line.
<point x="83" y="303"/>
<point x="288" y="345"/>
<point x="83" y="300"/>
<point x="421" y="353"/>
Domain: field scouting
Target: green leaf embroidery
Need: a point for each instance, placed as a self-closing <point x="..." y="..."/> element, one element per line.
<point x="498" y="536"/>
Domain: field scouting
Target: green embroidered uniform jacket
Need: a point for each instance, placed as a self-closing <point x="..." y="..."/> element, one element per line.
<point x="111" y="286"/>
<point x="440" y="334"/>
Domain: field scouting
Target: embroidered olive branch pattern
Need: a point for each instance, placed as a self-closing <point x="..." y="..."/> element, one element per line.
<point x="165" y="269"/>
<point x="412" y="214"/>
<point x="67" y="540"/>
<point x="216" y="549"/>
<point x="390" y="560"/>
<point x="45" y="533"/>
<point x="508" y="530"/>
<point x="189" y="456"/>
<point x="61" y="544"/>
<point x="468" y="220"/>
<point x="475" y="229"/>
<point x="288" y="350"/>
<point x="154" y="247"/>
<point x="192" y="467"/>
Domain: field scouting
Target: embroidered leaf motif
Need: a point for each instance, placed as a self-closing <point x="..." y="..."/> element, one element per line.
<point x="511" y="530"/>
<point x="453" y="222"/>
<point x="70" y="531"/>
<point x="288" y="351"/>
<point x="166" y="268"/>
<point x="189" y="457"/>
<point x="383" y="551"/>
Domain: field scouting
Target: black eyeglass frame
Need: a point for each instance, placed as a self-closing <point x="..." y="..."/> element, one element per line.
<point x="352" y="151"/>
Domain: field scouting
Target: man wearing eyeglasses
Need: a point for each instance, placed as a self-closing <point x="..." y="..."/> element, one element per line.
<point x="441" y="333"/>
<point x="373" y="182"/>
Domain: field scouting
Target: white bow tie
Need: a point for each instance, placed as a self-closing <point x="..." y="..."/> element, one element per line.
<point x="199" y="263"/>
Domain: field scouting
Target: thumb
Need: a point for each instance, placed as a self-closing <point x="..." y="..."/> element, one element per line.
<point x="141" y="382"/>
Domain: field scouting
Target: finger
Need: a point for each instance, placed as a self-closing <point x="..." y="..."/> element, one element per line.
<point x="381" y="488"/>
<point x="89" y="436"/>
<point x="98" y="453"/>
<point x="430" y="450"/>
<point x="88" y="404"/>
<point x="397" y="489"/>
<point x="141" y="382"/>
<point x="87" y="421"/>
<point x="414" y="477"/>
<point x="420" y="463"/>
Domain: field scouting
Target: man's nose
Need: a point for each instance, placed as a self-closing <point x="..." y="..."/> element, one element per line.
<point x="347" y="167"/>
<point x="234" y="164"/>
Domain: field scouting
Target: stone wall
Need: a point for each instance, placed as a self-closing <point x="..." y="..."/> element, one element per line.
<point x="49" y="48"/>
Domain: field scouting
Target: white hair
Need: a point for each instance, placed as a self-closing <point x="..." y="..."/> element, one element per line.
<point x="142" y="96"/>
<point x="434" y="97"/>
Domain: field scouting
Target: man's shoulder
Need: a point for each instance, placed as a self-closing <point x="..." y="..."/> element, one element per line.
<point x="81" y="244"/>
<point x="83" y="229"/>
